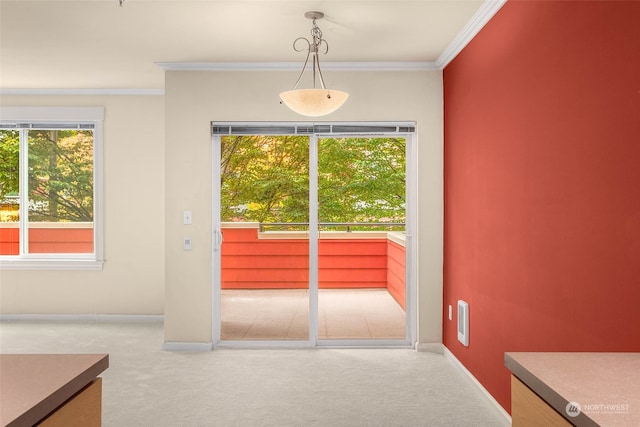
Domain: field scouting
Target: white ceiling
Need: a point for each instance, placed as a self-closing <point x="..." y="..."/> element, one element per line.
<point x="97" y="44"/>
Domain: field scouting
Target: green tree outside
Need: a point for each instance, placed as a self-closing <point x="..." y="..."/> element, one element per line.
<point x="60" y="174"/>
<point x="9" y="162"/>
<point x="266" y="179"/>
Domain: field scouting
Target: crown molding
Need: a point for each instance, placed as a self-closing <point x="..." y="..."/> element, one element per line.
<point x="295" y="66"/>
<point x="479" y="19"/>
<point x="469" y="31"/>
<point x="483" y="15"/>
<point x="80" y="92"/>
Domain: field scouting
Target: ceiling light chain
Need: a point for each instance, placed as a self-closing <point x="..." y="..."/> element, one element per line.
<point x="316" y="35"/>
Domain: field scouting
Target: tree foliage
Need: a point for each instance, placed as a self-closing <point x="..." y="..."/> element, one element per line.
<point x="266" y="179"/>
<point x="60" y="173"/>
<point x="9" y="162"/>
<point x="361" y="180"/>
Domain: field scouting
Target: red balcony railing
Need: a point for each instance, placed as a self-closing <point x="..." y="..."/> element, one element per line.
<point x="280" y="259"/>
<point x="48" y="237"/>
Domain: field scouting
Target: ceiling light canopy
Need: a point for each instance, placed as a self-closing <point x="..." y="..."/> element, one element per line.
<point x="313" y="102"/>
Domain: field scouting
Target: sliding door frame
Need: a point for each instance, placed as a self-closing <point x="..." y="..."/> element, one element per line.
<point x="317" y="131"/>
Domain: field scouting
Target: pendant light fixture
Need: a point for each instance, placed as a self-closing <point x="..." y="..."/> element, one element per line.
<point x="316" y="101"/>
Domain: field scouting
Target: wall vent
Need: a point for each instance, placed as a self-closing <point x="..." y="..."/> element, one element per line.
<point x="463" y="323"/>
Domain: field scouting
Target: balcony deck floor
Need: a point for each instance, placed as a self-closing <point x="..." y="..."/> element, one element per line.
<point x="282" y="314"/>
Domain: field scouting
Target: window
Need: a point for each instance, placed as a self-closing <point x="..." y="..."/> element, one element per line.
<point x="50" y="188"/>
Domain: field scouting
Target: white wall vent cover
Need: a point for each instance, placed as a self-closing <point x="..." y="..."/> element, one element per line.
<point x="463" y="323"/>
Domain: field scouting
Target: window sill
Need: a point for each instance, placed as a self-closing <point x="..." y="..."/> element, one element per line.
<point x="51" y="264"/>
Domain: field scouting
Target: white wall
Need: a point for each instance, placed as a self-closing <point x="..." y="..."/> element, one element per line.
<point x="195" y="98"/>
<point x="132" y="281"/>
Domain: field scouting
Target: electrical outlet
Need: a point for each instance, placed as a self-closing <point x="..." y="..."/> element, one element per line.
<point x="186" y="244"/>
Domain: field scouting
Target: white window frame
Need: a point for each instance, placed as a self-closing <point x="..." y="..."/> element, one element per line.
<point x="62" y="115"/>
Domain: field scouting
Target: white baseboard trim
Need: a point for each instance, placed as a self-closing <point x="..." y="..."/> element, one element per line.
<point x="430" y="347"/>
<point x="455" y="362"/>
<point x="187" y="346"/>
<point x="119" y="318"/>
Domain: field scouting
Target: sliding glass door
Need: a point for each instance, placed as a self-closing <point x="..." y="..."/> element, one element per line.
<point x="310" y="236"/>
<point x="361" y="223"/>
<point x="264" y="212"/>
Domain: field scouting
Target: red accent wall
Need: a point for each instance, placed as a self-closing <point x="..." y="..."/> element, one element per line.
<point x="542" y="184"/>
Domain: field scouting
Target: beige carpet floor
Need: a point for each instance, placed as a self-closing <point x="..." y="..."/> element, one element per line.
<point x="145" y="386"/>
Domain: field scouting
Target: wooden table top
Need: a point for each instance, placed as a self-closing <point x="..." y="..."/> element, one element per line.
<point x="606" y="386"/>
<point x="34" y="385"/>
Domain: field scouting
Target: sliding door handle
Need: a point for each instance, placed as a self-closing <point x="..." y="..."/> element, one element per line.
<point x="217" y="239"/>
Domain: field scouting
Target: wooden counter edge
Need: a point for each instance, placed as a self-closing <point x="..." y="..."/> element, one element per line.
<point x="56" y="399"/>
<point x="546" y="393"/>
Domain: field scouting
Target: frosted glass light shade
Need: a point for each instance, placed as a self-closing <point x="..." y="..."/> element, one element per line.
<point x="314" y="102"/>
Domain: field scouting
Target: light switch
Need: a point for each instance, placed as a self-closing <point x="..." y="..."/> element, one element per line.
<point x="186" y="217"/>
<point x="450" y="312"/>
<point x="186" y="244"/>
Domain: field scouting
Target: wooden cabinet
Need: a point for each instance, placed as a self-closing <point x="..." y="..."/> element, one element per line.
<point x="51" y="390"/>
<point x="529" y="410"/>
<point x="574" y="389"/>
<point x="82" y="410"/>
